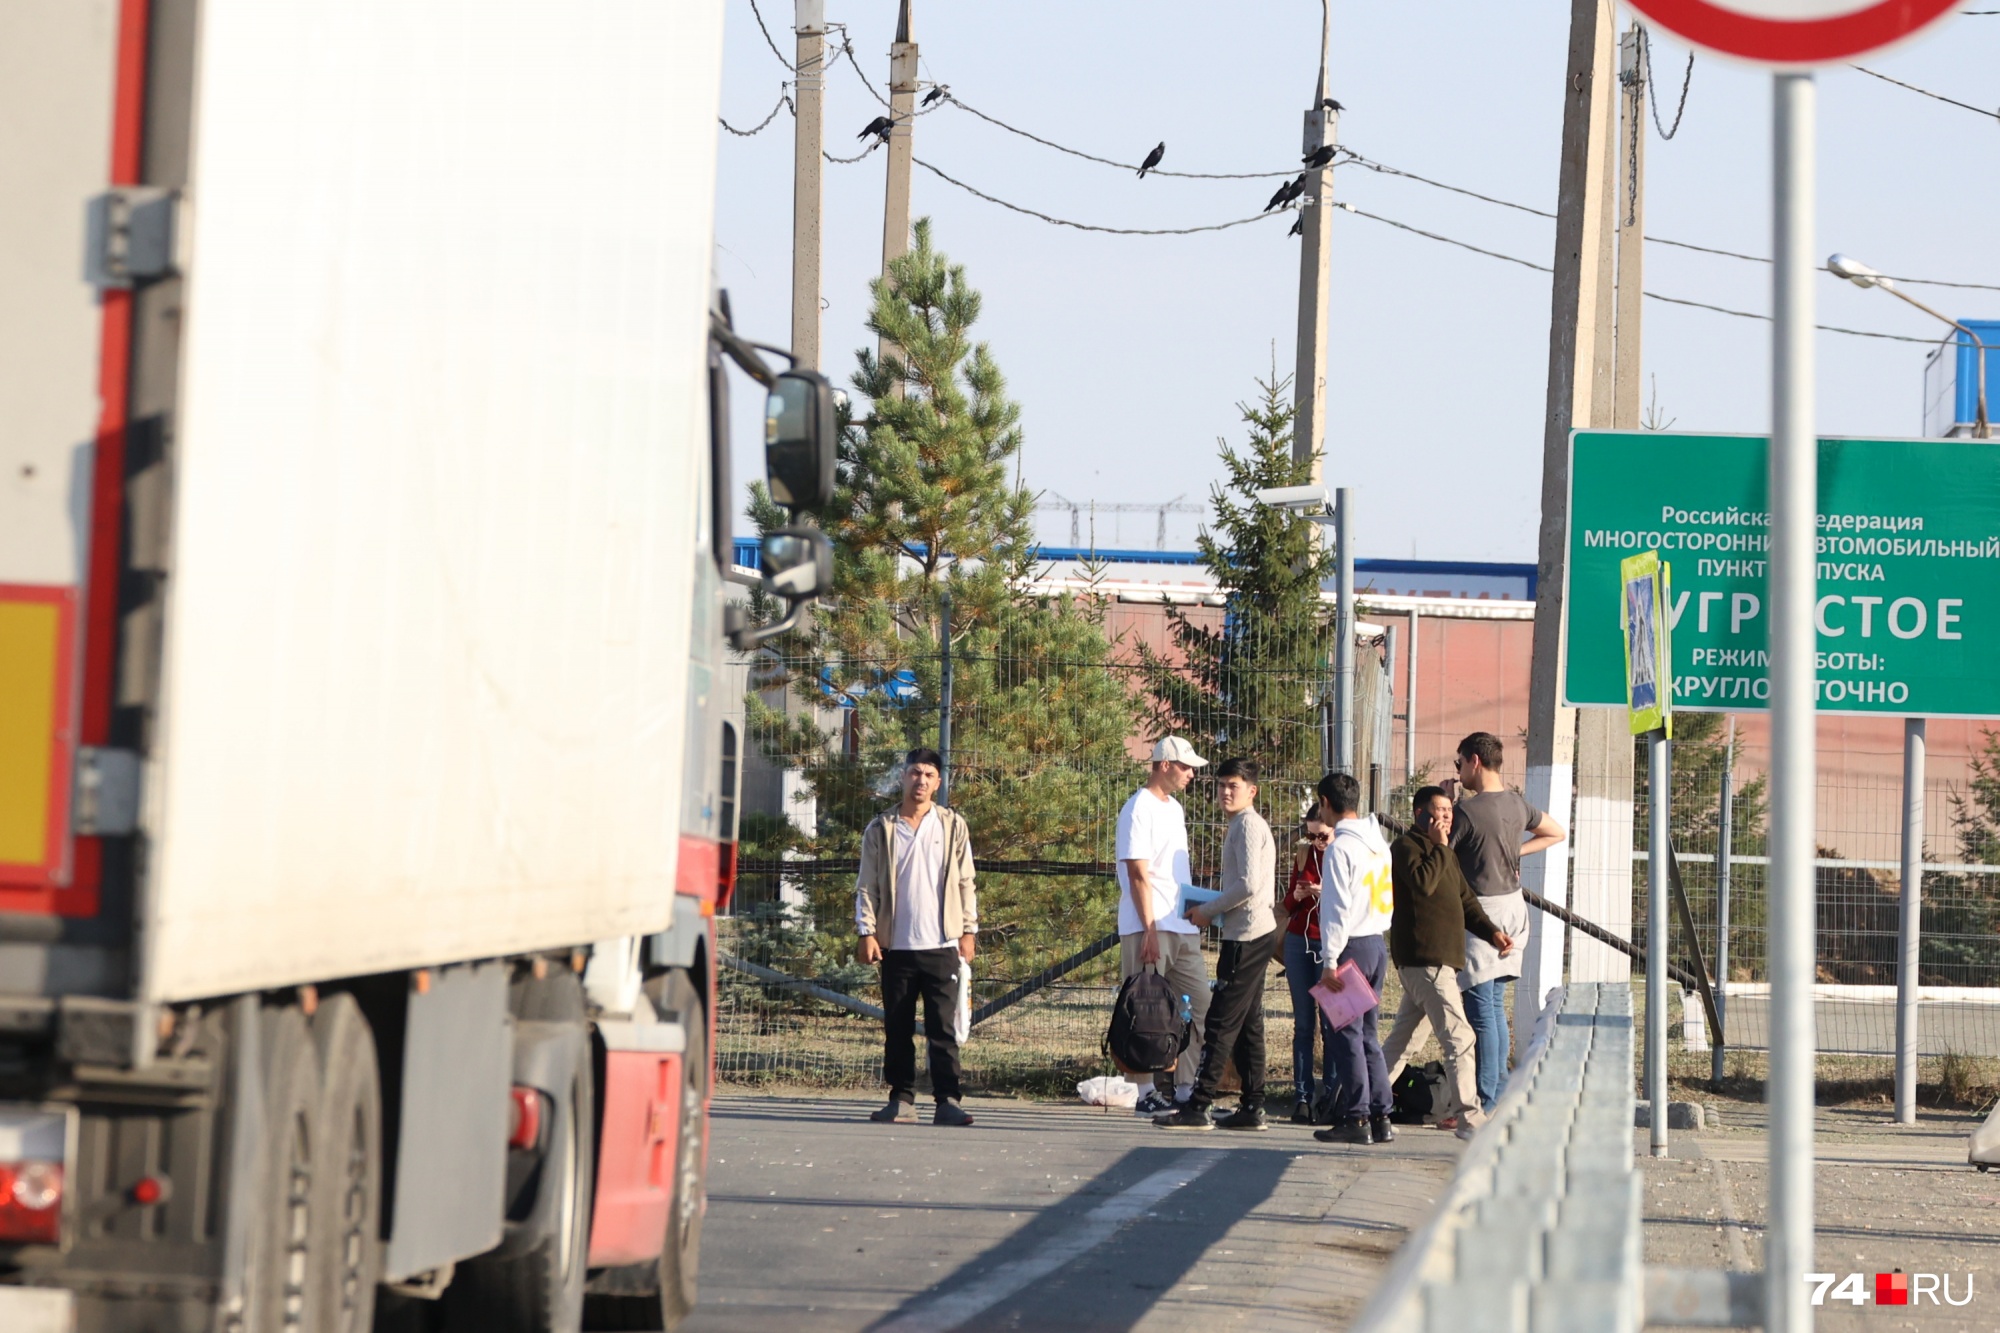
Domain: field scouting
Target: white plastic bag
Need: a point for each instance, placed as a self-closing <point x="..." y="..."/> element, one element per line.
<point x="1109" y="1090"/>
<point x="961" y="1014"/>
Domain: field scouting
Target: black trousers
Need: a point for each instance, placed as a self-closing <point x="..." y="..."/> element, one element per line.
<point x="1235" y="1027"/>
<point x="907" y="974"/>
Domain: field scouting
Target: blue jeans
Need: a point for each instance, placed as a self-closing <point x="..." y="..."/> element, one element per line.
<point x="1486" y="1010"/>
<point x="1302" y="970"/>
<point x="1357" y="1052"/>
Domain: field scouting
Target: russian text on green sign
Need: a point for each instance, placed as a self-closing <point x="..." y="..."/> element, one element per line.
<point x="1908" y="542"/>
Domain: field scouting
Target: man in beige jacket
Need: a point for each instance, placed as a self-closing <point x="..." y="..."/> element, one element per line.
<point x="917" y="912"/>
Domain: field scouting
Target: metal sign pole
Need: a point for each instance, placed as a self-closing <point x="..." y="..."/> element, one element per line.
<point x="1659" y="800"/>
<point x="1794" y="486"/>
<point x="1910" y="922"/>
<point x="1343" y="623"/>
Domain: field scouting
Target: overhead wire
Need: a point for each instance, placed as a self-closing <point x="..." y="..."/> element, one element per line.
<point x="953" y="99"/>
<point x="784" y="104"/>
<point x="783" y="59"/>
<point x="1088" y="226"/>
<point x="1653" y="88"/>
<point x="1939" y="97"/>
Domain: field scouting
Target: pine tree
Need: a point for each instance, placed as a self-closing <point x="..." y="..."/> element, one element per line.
<point x="924" y="515"/>
<point x="1251" y="686"/>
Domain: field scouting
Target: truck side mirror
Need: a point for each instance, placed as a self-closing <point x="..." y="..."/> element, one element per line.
<point x="798" y="563"/>
<point x="800" y="437"/>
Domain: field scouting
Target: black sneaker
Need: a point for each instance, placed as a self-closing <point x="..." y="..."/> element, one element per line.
<point x="1352" y="1131"/>
<point x="897" y="1112"/>
<point x="1244" y="1117"/>
<point x="948" y="1113"/>
<point x="1379" y="1126"/>
<point x="1153" y="1103"/>
<point x="1189" y="1116"/>
<point x="1302" y="1113"/>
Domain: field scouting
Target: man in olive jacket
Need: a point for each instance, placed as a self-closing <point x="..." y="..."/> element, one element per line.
<point x="1434" y="908"/>
<point x="916" y="910"/>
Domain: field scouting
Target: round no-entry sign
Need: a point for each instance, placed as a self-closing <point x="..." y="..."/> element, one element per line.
<point x="1794" y="32"/>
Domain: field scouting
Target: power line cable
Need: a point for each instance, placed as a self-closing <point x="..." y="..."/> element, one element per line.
<point x="1655" y="296"/>
<point x="1087" y="226"/>
<point x="784" y="104"/>
<point x="1940" y="97"/>
<point x="783" y="59"/>
<point x="953" y="99"/>
<point x="1653" y="88"/>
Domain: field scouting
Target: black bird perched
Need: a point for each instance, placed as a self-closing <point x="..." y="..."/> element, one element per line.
<point x="1329" y="104"/>
<point x="1287" y="192"/>
<point x="1298" y="225"/>
<point x="935" y="93"/>
<point x="1153" y="158"/>
<point x="880" y="125"/>
<point x="1321" y="156"/>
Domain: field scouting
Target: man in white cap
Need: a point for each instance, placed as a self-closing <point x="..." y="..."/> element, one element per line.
<point x="1152" y="865"/>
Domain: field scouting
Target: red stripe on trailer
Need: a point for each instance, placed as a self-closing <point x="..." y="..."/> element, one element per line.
<point x="107" y="483"/>
<point x="700" y="870"/>
<point x="635" y="1156"/>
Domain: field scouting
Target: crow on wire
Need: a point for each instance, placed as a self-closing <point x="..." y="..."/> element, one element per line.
<point x="1287" y="192"/>
<point x="935" y="93"/>
<point x="1298" y="225"/>
<point x="1320" y="157"/>
<point x="881" y="125"/>
<point x="1153" y="159"/>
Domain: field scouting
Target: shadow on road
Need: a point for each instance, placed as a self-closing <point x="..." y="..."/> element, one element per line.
<point x="1084" y="1264"/>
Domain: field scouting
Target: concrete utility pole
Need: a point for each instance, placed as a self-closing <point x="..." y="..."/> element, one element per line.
<point x="896" y="203"/>
<point x="1322" y="127"/>
<point x="1573" y="360"/>
<point x="808" y="144"/>
<point x="1602" y="838"/>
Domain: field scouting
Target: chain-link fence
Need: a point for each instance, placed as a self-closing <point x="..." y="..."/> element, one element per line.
<point x="1053" y="707"/>
<point x="1858" y="898"/>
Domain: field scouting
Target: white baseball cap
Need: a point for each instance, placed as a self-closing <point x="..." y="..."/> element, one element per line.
<point x="1174" y="750"/>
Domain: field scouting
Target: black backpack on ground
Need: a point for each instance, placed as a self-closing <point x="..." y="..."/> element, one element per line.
<point x="1419" y="1094"/>
<point x="1147" y="1034"/>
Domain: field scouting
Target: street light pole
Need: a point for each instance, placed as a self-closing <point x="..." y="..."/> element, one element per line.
<point x="1343" y="628"/>
<point x="1861" y="275"/>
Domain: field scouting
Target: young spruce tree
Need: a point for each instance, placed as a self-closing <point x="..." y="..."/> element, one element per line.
<point x="1251" y="685"/>
<point x="926" y="512"/>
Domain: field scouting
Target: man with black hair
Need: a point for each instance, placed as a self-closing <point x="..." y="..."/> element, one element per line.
<point x="1492" y="828"/>
<point x="916" y="909"/>
<point x="1234" y="1027"/>
<point x="1355" y="903"/>
<point x="1434" y="909"/>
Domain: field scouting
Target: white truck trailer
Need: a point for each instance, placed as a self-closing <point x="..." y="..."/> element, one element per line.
<point x="365" y="795"/>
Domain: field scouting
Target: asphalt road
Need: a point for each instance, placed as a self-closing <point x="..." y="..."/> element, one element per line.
<point x="1043" y="1216"/>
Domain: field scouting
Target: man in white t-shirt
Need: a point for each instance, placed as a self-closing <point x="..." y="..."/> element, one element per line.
<point x="1152" y="857"/>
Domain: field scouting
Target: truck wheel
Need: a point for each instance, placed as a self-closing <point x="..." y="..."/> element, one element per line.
<point x="349" y="1197"/>
<point x="288" y="1250"/>
<point x="541" y="1291"/>
<point x="665" y="1307"/>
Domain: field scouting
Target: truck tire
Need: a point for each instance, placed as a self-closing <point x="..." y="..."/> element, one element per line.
<point x="287" y="1247"/>
<point x="541" y="1290"/>
<point x="349" y="1197"/>
<point x="673" y="994"/>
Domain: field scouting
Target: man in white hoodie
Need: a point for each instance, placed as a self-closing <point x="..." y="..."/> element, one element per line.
<point x="1356" y="898"/>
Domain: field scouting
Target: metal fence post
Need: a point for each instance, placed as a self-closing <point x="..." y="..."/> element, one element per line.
<point x="1910" y="921"/>
<point x="1658" y="801"/>
<point x="1343" y="648"/>
<point x="944" y="696"/>
<point x="1410" y="704"/>
<point x="1726" y="843"/>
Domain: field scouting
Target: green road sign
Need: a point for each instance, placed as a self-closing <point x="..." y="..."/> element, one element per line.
<point x="1909" y="570"/>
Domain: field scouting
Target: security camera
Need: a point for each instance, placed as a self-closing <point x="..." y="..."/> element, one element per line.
<point x="1309" y="499"/>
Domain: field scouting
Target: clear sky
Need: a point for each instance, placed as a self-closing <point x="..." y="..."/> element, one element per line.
<point x="1128" y="354"/>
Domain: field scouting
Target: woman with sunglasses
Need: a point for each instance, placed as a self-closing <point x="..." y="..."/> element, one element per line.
<point x="1302" y="968"/>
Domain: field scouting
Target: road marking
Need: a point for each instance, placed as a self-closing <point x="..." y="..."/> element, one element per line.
<point x="1732" y="1217"/>
<point x="1097" y="1226"/>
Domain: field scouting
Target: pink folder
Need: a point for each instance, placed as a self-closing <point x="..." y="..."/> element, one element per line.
<point x="1354" y="998"/>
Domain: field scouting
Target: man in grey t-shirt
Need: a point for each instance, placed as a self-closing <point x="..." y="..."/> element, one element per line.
<point x="1491" y="830"/>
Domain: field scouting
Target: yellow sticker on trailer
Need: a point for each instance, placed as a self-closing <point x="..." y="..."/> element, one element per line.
<point x="33" y="723"/>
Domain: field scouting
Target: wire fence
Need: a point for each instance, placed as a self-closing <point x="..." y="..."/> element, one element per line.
<point x="1052" y="707"/>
